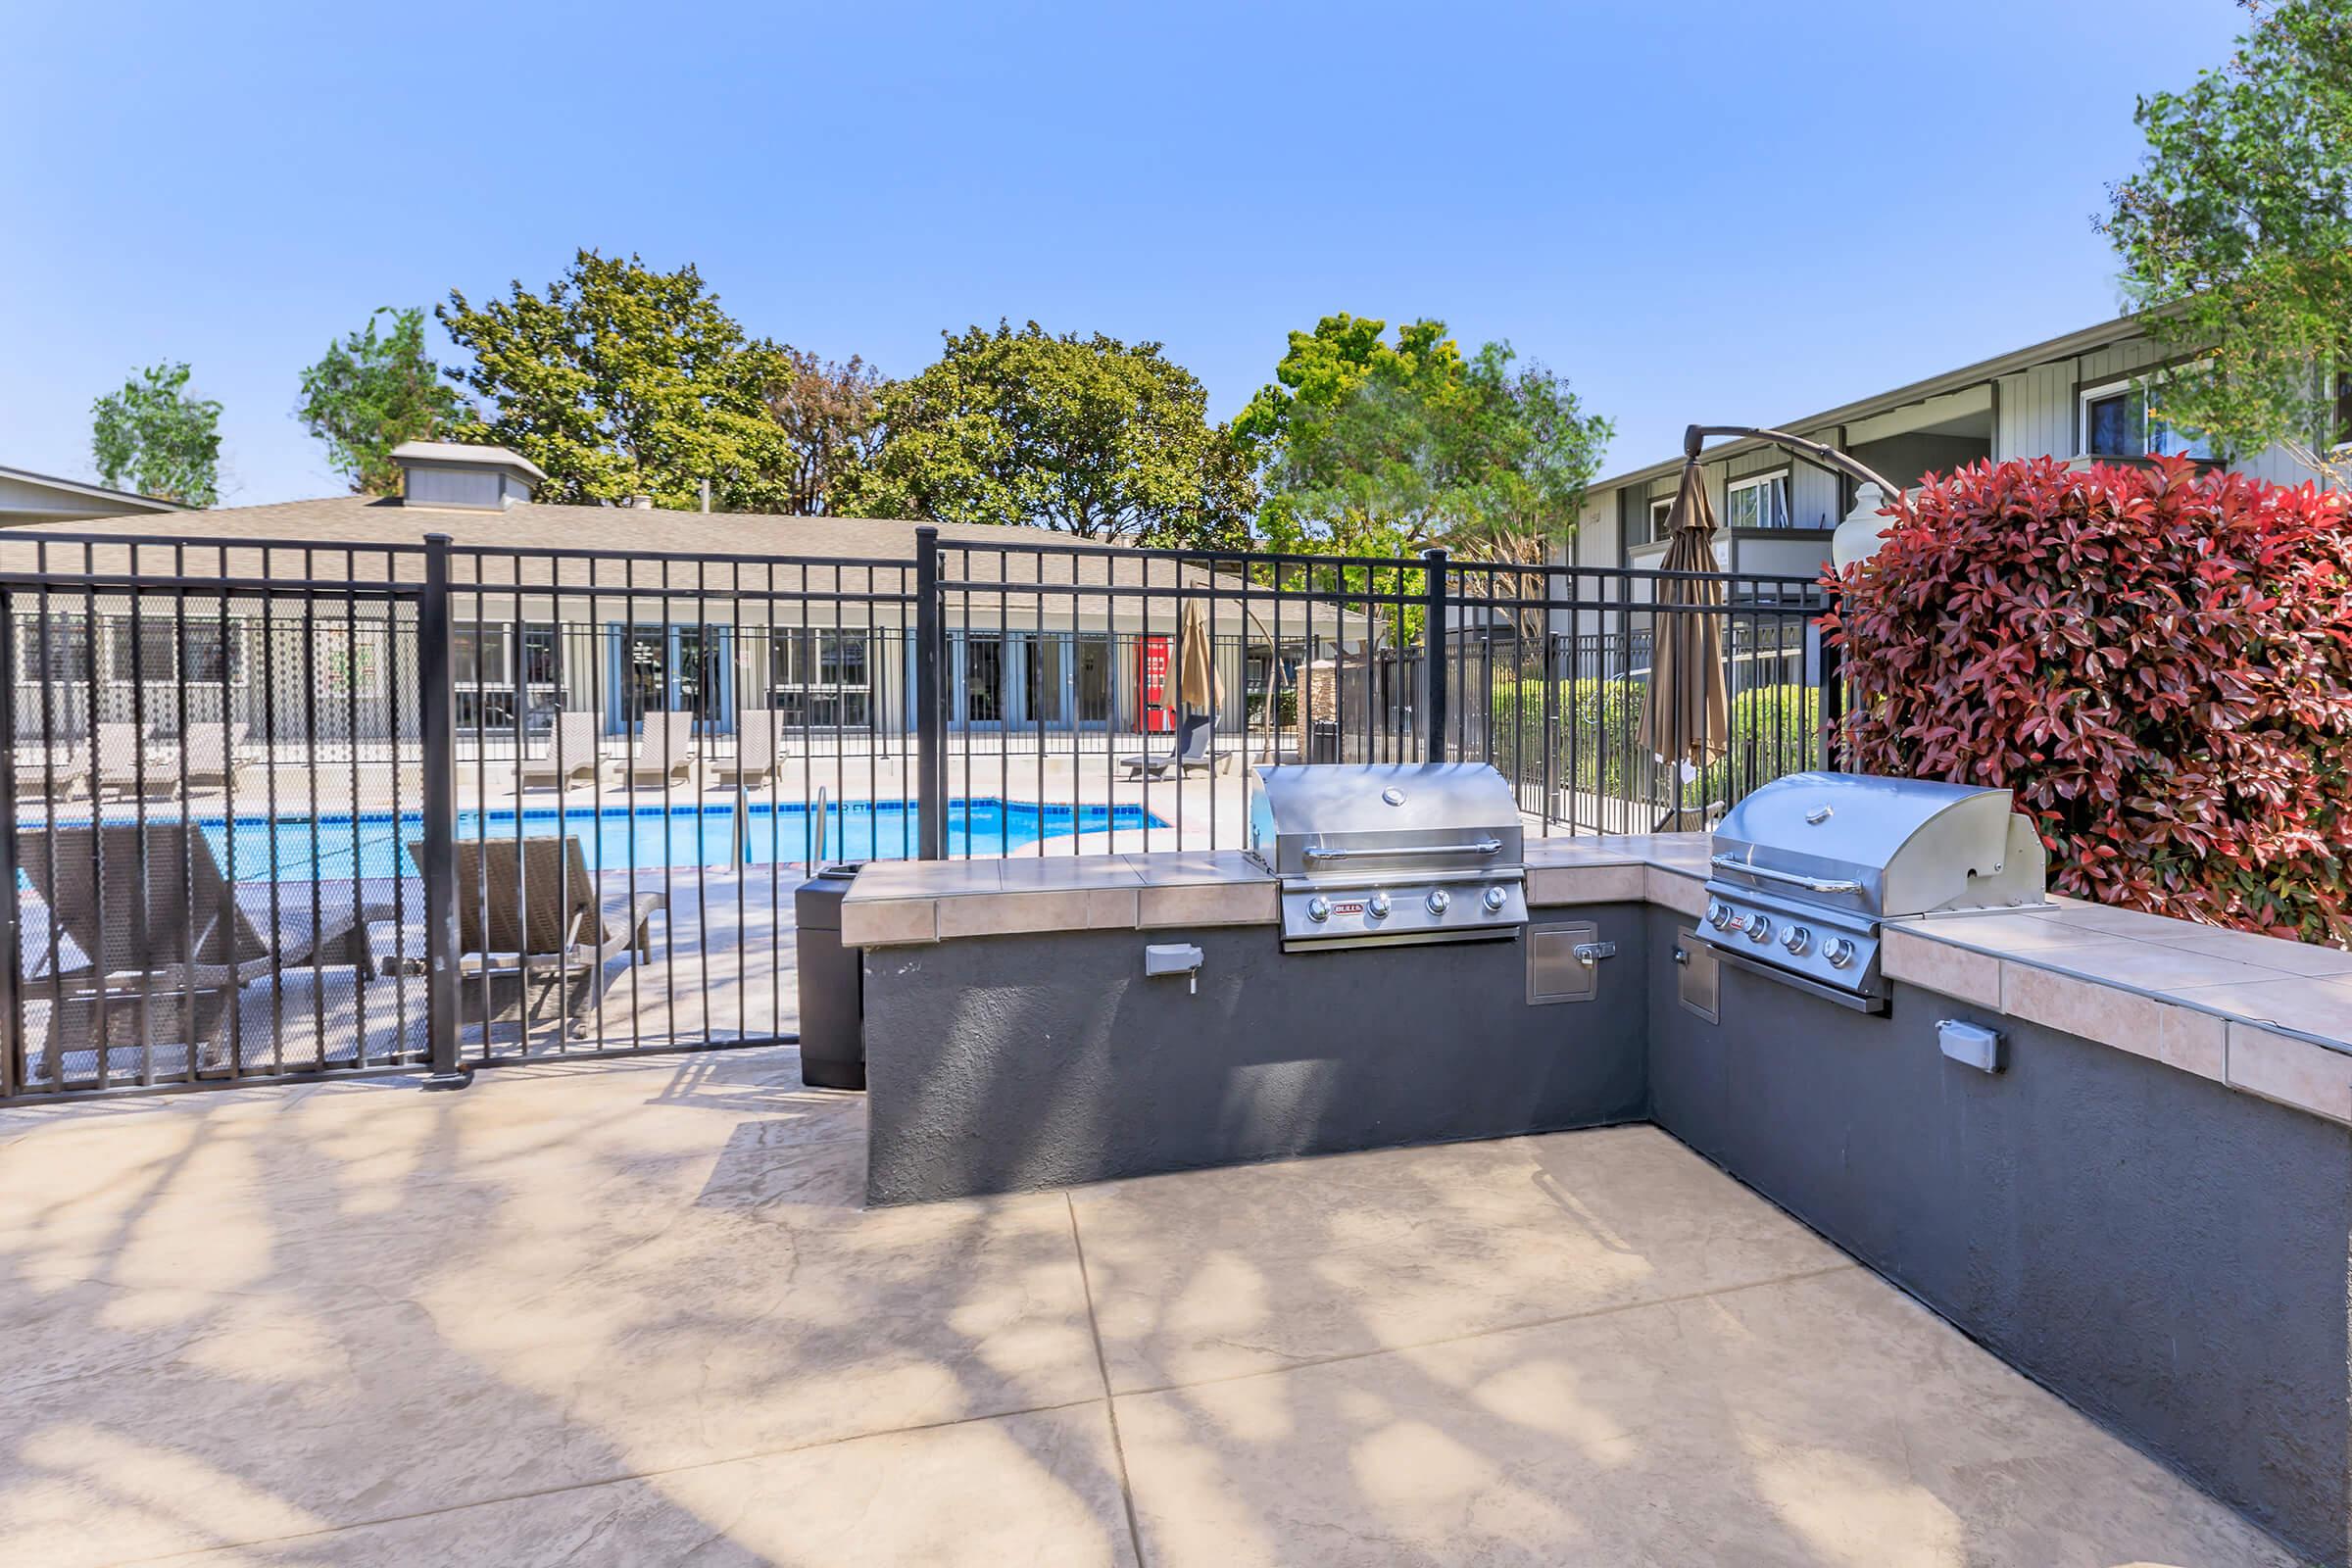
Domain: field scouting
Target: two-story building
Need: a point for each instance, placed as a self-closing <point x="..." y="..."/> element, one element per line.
<point x="2080" y="397"/>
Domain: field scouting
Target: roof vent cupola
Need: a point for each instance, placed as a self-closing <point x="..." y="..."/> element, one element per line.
<point x="449" y="474"/>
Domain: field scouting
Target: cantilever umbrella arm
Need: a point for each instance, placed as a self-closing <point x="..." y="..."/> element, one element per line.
<point x="1695" y="436"/>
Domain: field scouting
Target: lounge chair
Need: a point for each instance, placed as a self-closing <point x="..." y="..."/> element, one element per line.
<point x="209" y="755"/>
<point x="758" y="750"/>
<point x="124" y="766"/>
<point x="1192" y="752"/>
<point x="572" y="753"/>
<point x="665" y="749"/>
<point x="54" y="775"/>
<point x="530" y="925"/>
<point x="151" y="944"/>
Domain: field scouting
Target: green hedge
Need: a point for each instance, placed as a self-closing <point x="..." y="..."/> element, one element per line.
<point x="1597" y="727"/>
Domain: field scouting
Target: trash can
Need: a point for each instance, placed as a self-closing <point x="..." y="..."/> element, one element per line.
<point x="1323" y="741"/>
<point x="832" y="985"/>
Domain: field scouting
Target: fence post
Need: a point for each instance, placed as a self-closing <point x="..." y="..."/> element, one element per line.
<point x="437" y="721"/>
<point x="930" y="706"/>
<point x="1832" y="693"/>
<point x="1432" y="643"/>
<point x="12" y="1007"/>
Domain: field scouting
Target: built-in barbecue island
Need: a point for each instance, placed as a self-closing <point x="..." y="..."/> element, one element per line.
<point x="2110" y="1146"/>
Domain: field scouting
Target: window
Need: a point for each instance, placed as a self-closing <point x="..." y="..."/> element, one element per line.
<point x="477" y="656"/>
<point x="484" y="661"/>
<point x="541" y="661"/>
<point x="55" y="653"/>
<point x="140" y="649"/>
<point x="2117" y="423"/>
<point x="821" y="679"/>
<point x="1760" y="501"/>
<point x="1662" y="512"/>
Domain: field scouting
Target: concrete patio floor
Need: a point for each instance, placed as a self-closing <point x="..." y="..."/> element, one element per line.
<point x="633" y="1312"/>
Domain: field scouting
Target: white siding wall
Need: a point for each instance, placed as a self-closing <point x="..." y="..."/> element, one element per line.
<point x="2041" y="413"/>
<point x="2038" y="414"/>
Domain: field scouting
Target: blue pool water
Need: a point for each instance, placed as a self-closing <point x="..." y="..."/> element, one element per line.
<point x="336" y="846"/>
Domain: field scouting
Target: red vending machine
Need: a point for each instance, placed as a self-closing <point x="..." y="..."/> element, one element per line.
<point x="1152" y="671"/>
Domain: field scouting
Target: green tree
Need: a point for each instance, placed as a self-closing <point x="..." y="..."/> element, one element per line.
<point x="1338" y="434"/>
<point x="620" y="381"/>
<point x="1376" y="448"/>
<point x="370" y="393"/>
<point x="154" y="438"/>
<point x="1098" y="438"/>
<point x="2236" y="232"/>
<point x="830" y="416"/>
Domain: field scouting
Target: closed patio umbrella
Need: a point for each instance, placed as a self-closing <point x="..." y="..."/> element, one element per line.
<point x="1195" y="665"/>
<point x="1685" y="713"/>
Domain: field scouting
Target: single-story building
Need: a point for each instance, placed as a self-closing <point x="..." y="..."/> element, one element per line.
<point x="625" y="610"/>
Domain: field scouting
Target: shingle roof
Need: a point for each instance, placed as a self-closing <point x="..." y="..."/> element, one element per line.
<point x="535" y="525"/>
<point x="356" y="529"/>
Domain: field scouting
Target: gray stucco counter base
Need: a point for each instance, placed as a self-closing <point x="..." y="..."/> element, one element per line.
<point x="2168" y="1256"/>
<point x="1000" y="1063"/>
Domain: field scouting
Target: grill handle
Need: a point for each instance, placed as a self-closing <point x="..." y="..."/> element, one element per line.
<point x="1811" y="884"/>
<point x="1404" y="852"/>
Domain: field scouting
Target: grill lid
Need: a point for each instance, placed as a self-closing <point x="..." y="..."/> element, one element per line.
<point x="1882" y="847"/>
<point x="1410" y="812"/>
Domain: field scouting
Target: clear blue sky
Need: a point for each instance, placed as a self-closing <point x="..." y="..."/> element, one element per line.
<point x="1720" y="211"/>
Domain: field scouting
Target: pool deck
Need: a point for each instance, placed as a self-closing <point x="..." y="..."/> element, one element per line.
<point x="633" y="1312"/>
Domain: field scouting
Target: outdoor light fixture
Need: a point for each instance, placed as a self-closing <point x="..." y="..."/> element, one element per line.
<point x="1858" y="535"/>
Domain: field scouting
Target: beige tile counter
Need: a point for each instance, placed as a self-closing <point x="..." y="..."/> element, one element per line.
<point x="2262" y="1014"/>
<point x="896" y="903"/>
<point x="2268" y="1017"/>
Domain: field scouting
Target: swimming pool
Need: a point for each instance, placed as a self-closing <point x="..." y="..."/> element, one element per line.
<point x="371" y="844"/>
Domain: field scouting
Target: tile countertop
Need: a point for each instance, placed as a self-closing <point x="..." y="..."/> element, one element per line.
<point x="894" y="903"/>
<point x="2264" y="1015"/>
<point x="2269" y="1016"/>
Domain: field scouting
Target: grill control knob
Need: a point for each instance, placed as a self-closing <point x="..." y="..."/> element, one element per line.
<point x="1839" y="951"/>
<point x="1495" y="899"/>
<point x="1377" y="906"/>
<point x="1796" y="939"/>
<point x="1759" y="929"/>
<point x="1439" y="899"/>
<point x="1318" y="908"/>
<point x="1719" y="913"/>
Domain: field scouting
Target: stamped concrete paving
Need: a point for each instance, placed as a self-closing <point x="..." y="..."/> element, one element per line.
<point x="633" y="1313"/>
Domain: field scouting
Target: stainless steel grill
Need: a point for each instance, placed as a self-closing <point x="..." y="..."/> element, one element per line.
<point x="1389" y="854"/>
<point x="1807" y="867"/>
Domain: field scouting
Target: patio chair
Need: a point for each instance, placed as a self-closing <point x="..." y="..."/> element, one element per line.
<point x="665" y="749"/>
<point x="1193" y="752"/>
<point x="124" y="766"/>
<point x="209" y="755"/>
<point x="531" y="924"/>
<point x="571" y="752"/>
<point x="152" y="944"/>
<point x="54" y="775"/>
<point x="758" y="750"/>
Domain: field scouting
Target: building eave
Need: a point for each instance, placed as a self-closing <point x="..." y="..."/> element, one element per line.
<point x="1967" y="376"/>
<point x="96" y="492"/>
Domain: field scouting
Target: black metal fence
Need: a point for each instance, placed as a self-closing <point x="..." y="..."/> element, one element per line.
<point x="286" y="809"/>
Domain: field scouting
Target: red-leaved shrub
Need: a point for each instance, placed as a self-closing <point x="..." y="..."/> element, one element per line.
<point x="2157" y="663"/>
